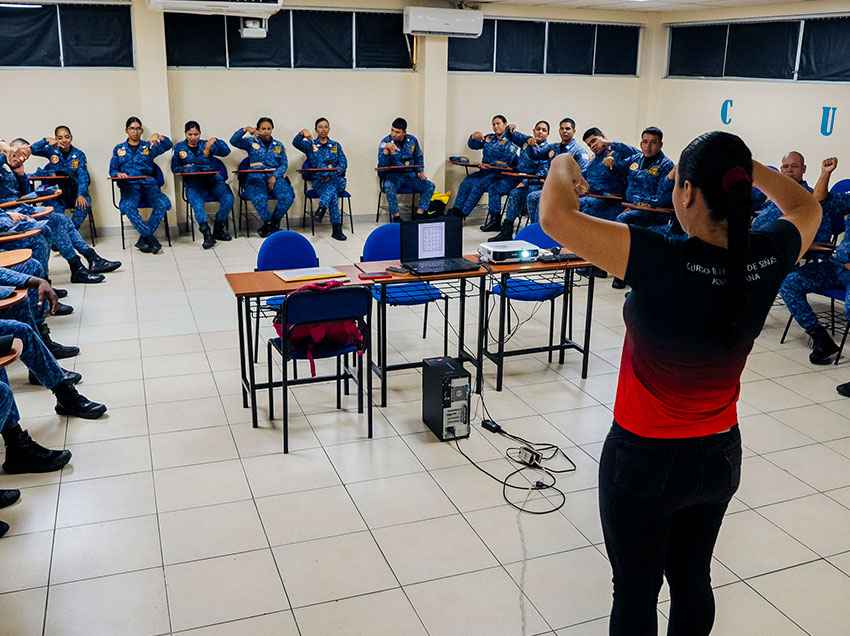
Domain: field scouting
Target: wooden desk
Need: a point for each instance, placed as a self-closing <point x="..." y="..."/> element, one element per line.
<point x="255" y="171"/>
<point x="19" y="295"/>
<point x="33" y="201"/>
<point x="466" y="165"/>
<point x="15" y="257"/>
<point x="385" y="169"/>
<point x="131" y="177"/>
<point x="606" y="197"/>
<point x="821" y="248"/>
<point x="646" y="208"/>
<point x="47" y="177"/>
<point x="14" y="354"/>
<point x="523" y="175"/>
<point x="19" y="236"/>
<point x="315" y="170"/>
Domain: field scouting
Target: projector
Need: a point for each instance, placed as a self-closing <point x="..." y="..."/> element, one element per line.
<point x="253" y="28"/>
<point x="508" y="252"/>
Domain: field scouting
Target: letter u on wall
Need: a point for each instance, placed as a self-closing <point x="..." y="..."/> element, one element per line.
<point x="827" y="122"/>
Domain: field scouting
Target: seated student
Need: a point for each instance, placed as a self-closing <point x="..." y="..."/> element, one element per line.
<point x="402" y="149"/>
<point x="135" y="158"/>
<point x="63" y="235"/>
<point x="646" y="178"/>
<point x="497" y="152"/>
<point x="820" y="275"/>
<point x="528" y="163"/>
<point x="604" y="175"/>
<point x="264" y="151"/>
<point x="23" y="454"/>
<point x="324" y="152"/>
<point x="63" y="158"/>
<point x="794" y="167"/>
<point x="194" y="154"/>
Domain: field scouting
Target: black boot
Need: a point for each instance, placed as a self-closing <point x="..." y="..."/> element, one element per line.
<point x="506" y="233"/>
<point x="843" y="389"/>
<point x="320" y="214"/>
<point x="618" y="284"/>
<point x="276" y="224"/>
<point x="220" y="232"/>
<point x="337" y="232"/>
<point x="209" y="241"/>
<point x="81" y="274"/>
<point x="59" y="351"/>
<point x="492" y="225"/>
<point x="63" y="310"/>
<point x="23" y="455"/>
<point x="143" y="245"/>
<point x="155" y="245"/>
<point x="823" y="346"/>
<point x="99" y="265"/>
<point x="69" y="402"/>
<point x="69" y="376"/>
<point x="4" y="528"/>
<point x="60" y="293"/>
<point x="9" y="497"/>
<point x="265" y="230"/>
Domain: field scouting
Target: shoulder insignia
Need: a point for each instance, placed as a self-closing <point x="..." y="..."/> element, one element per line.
<point x="146" y="151"/>
<point x="255" y="146"/>
<point x="54" y="159"/>
<point x="182" y="154"/>
<point x="277" y="150"/>
<point x="634" y="166"/>
<point x="121" y="152"/>
<point x="334" y="149"/>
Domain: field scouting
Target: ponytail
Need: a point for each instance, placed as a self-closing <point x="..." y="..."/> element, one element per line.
<point x="737" y="187"/>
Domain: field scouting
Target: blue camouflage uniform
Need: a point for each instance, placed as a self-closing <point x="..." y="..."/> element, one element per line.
<point x="646" y="183"/>
<point x="817" y="276"/>
<point x="71" y="164"/>
<point x="604" y="175"/>
<point x="408" y="153"/>
<point x="138" y="161"/>
<point x="18" y="276"/>
<point x="552" y="150"/>
<point x="328" y="185"/>
<point x="265" y="155"/>
<point x="201" y="189"/>
<point x="497" y="150"/>
<point x="8" y="409"/>
<point x="530" y="161"/>
<point x="770" y="212"/>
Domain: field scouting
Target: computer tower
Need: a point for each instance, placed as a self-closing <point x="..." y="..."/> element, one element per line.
<point x="445" y="397"/>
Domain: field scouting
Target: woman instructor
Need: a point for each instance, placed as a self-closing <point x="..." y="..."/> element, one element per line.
<point x="672" y="459"/>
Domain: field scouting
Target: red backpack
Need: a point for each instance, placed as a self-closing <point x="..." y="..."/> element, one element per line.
<point x="331" y="334"/>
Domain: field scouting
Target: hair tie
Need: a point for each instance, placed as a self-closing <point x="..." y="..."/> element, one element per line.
<point x="734" y="176"/>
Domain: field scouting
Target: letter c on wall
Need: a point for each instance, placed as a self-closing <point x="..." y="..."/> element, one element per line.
<point x="827" y="121"/>
<point x="726" y="112"/>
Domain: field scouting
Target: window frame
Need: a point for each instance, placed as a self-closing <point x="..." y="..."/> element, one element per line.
<point x="117" y="3"/>
<point x="733" y="78"/>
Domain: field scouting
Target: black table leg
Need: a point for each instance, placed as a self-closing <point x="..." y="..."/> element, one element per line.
<point x="568" y="296"/>
<point x="251" y="379"/>
<point x="587" y="321"/>
<point x="482" y="333"/>
<point x="462" y="314"/>
<point x="500" y="360"/>
<point x="242" y="351"/>
<point x="383" y="346"/>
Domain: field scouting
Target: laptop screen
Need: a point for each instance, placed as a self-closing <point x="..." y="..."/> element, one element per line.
<point x="437" y="238"/>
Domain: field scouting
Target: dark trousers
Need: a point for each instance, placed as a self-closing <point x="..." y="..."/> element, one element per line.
<point x="662" y="502"/>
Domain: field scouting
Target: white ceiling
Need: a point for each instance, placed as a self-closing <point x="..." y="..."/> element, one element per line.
<point x="641" y="5"/>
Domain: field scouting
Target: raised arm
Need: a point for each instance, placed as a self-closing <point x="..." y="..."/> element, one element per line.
<point x="828" y="166"/>
<point x="798" y="206"/>
<point x="220" y="148"/>
<point x="161" y="145"/>
<point x="303" y="143"/>
<point x="475" y="141"/>
<point x="41" y="148"/>
<point x="237" y="139"/>
<point x="603" y="243"/>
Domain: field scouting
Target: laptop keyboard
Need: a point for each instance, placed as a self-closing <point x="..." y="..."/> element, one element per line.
<point x="441" y="265"/>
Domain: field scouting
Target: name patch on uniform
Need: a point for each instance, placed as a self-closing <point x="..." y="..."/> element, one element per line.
<point x="255" y="146"/>
<point x="54" y="159"/>
<point x="75" y="163"/>
<point x="333" y="149"/>
<point x="277" y="150"/>
<point x="634" y="166"/>
<point x="183" y="154"/>
<point x="121" y="152"/>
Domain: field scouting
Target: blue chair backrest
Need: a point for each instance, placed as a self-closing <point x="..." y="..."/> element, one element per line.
<point x="243" y="165"/>
<point x="286" y="249"/>
<point x="342" y="303"/>
<point x="383" y="243"/>
<point x="841" y="187"/>
<point x="533" y="233"/>
<point x="158" y="176"/>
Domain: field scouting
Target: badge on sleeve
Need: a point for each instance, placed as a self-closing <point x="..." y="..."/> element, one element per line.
<point x="634" y="166"/>
<point x="653" y="171"/>
<point x="182" y="154"/>
<point x="75" y="163"/>
<point x="121" y="152"/>
<point x="146" y="151"/>
<point x="277" y="150"/>
<point x="333" y="149"/>
<point x="255" y="146"/>
<point x="54" y="159"/>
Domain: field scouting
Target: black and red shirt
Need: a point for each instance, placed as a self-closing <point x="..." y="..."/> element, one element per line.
<point x="682" y="363"/>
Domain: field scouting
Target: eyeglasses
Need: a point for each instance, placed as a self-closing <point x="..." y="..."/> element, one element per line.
<point x="134" y="128"/>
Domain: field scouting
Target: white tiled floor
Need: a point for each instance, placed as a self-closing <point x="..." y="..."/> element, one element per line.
<point x="175" y="516"/>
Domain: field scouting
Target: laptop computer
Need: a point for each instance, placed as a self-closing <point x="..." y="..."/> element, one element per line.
<point x="434" y="246"/>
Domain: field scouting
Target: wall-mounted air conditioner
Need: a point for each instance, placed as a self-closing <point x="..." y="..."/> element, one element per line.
<point x="456" y="23"/>
<point x="243" y="8"/>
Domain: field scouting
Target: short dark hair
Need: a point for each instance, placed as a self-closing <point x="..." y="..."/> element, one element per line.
<point x="62" y="127"/>
<point x="320" y="120"/>
<point x="132" y="120"/>
<point x="543" y="121"/>
<point x="593" y="131"/>
<point x="655" y="131"/>
<point x="502" y="117"/>
<point x="400" y="123"/>
<point x="798" y="153"/>
<point x="19" y="141"/>
<point x="190" y="125"/>
<point x="263" y="120"/>
<point x="568" y="120"/>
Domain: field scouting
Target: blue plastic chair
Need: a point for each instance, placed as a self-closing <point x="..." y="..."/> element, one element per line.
<point x="245" y="164"/>
<point x="384" y="244"/>
<point x="312" y="307"/>
<point x="528" y="289"/>
<point x="283" y="249"/>
<point x="143" y="203"/>
<point x="833" y="295"/>
<point x="310" y="195"/>
<point x="401" y="190"/>
<point x="841" y="187"/>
